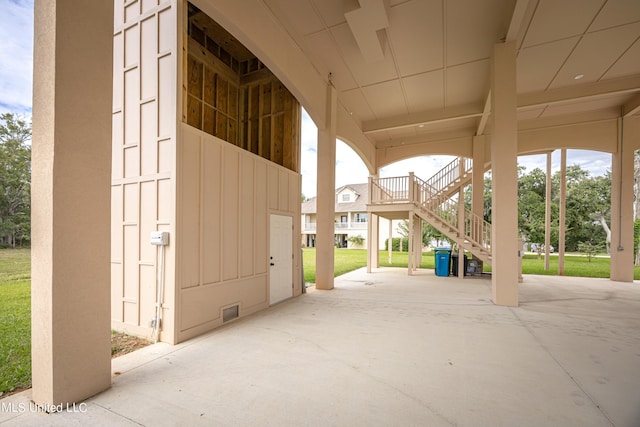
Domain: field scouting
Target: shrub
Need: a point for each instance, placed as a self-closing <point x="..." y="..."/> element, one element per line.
<point x="395" y="244"/>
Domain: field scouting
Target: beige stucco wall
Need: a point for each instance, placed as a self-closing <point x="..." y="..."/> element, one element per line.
<point x="70" y="344"/>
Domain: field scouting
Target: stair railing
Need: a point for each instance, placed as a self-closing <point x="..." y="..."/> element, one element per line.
<point x="477" y="230"/>
<point x="389" y="190"/>
<point x="450" y="173"/>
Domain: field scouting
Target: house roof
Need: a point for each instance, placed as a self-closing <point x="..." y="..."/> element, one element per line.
<point x="359" y="205"/>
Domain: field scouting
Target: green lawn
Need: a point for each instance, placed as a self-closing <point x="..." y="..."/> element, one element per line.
<point x="15" y="296"/>
<point x="351" y="259"/>
<point x="574" y="265"/>
<point x="15" y="319"/>
<point x="346" y="260"/>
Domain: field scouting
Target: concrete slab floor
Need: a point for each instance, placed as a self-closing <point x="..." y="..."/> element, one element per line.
<point x="390" y="349"/>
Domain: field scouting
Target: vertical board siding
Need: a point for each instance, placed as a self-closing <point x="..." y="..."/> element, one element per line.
<point x="261" y="219"/>
<point x="148" y="140"/>
<point x="143" y="159"/>
<point x="211" y="221"/>
<point x="247" y="214"/>
<point x="189" y="229"/>
<point x="230" y="212"/>
<point x="233" y="214"/>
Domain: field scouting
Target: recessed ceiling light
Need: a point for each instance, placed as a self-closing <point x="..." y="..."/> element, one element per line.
<point x="578" y="76"/>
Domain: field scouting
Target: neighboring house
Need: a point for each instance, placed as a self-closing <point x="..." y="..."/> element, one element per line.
<point x="351" y="221"/>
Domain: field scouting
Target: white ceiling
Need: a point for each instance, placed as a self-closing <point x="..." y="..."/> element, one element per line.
<point x="435" y="67"/>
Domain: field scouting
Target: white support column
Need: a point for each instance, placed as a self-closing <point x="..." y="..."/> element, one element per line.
<point x="71" y="198"/>
<point x="371" y="244"/>
<point x="390" y="241"/>
<point x="326" y="193"/>
<point x="622" y="197"/>
<point x="461" y="230"/>
<point x="417" y="242"/>
<point x="562" y="223"/>
<point x="375" y="253"/>
<point x="410" y="259"/>
<point x="504" y="162"/>
<point x="477" y="176"/>
<point x="547" y="216"/>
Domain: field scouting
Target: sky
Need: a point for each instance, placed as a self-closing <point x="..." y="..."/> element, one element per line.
<point x="16" y="70"/>
<point x="16" y="56"/>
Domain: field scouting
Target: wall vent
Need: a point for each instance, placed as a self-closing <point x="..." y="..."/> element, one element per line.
<point x="229" y="313"/>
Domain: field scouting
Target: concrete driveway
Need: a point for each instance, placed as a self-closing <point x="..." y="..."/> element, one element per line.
<point x="387" y="349"/>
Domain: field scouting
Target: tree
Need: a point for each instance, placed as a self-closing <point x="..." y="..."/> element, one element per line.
<point x="15" y="180"/>
<point x="531" y="202"/>
<point x="636" y="240"/>
<point x="589" y="249"/>
<point x="429" y="233"/>
<point x="587" y="202"/>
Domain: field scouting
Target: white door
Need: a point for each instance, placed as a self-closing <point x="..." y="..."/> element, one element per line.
<point x="281" y="258"/>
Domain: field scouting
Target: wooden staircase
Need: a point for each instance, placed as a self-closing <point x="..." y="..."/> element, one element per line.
<point x="432" y="201"/>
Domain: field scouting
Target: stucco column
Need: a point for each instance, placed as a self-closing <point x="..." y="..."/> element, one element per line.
<point x="461" y="227"/>
<point x="375" y="238"/>
<point x="417" y="242"/>
<point x="71" y="164"/>
<point x="562" y="215"/>
<point x="326" y="194"/>
<point x="622" y="200"/>
<point x="477" y="176"/>
<point x="504" y="163"/>
<point x="410" y="237"/>
<point x="389" y="241"/>
<point x="547" y="216"/>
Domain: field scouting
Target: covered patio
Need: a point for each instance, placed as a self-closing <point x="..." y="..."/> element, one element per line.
<point x="390" y="349"/>
<point x="124" y="145"/>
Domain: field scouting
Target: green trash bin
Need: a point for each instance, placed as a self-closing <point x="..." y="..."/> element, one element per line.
<point x="443" y="257"/>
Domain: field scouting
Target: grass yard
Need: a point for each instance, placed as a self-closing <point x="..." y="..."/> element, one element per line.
<point x="346" y="260"/>
<point x="15" y="319"/>
<point x="574" y="265"/>
<point x="15" y="296"/>
<point x="351" y="259"/>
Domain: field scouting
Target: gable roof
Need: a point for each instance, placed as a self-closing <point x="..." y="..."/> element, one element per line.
<point x="358" y="205"/>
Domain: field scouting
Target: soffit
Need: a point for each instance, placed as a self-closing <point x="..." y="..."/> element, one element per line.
<point x="437" y="58"/>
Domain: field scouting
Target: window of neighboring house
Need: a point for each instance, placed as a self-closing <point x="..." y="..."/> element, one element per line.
<point x="343" y="219"/>
<point x="346" y="197"/>
<point x="361" y="217"/>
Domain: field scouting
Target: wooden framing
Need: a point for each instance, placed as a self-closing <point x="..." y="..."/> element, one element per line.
<point x="240" y="101"/>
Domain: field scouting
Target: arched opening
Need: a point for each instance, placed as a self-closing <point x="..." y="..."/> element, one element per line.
<point x="351" y="197"/>
<point x="565" y="212"/>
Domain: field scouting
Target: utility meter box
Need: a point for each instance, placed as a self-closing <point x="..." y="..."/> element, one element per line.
<point x="160" y="238"/>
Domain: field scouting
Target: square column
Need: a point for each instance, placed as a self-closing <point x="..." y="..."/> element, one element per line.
<point x="71" y="215"/>
<point x="375" y="238"/>
<point x="622" y="196"/>
<point x="477" y="176"/>
<point x="326" y="197"/>
<point x="417" y="242"/>
<point x="504" y="163"/>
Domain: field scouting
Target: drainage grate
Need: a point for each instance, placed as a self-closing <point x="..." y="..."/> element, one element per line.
<point x="229" y="313"/>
